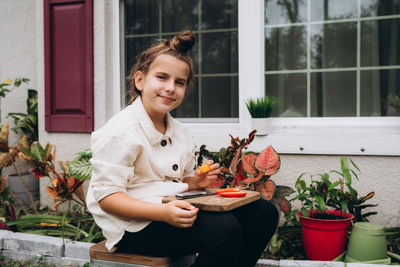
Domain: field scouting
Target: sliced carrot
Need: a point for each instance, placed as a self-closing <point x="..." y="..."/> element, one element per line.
<point x="229" y="189"/>
<point x="204" y="168"/>
<point x="233" y="194"/>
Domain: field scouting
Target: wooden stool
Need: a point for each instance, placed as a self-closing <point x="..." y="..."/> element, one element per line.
<point x="100" y="257"/>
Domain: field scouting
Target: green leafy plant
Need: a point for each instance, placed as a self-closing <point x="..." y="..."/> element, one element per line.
<point x="8" y="85"/>
<point x="250" y="169"/>
<point x="393" y="242"/>
<point x="8" y="157"/>
<point x="394" y="101"/>
<point x="261" y="107"/>
<point x="27" y="123"/>
<point x="63" y="186"/>
<point x="337" y="193"/>
<point x="80" y="167"/>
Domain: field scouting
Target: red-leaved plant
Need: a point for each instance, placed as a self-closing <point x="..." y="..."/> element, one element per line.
<point x="251" y="169"/>
<point x="63" y="186"/>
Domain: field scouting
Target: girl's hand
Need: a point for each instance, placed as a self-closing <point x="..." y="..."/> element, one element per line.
<point x="208" y="178"/>
<point x="180" y="213"/>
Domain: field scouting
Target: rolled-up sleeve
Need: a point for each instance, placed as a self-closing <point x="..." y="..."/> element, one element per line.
<point x="113" y="164"/>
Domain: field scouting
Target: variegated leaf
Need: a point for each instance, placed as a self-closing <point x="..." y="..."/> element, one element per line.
<point x="52" y="193"/>
<point x="248" y="162"/>
<point x="3" y="184"/>
<point x="235" y="160"/>
<point x="253" y="180"/>
<point x="4" y="134"/>
<point x="266" y="189"/>
<point x="270" y="188"/>
<point x="268" y="161"/>
<point x="285" y="205"/>
<point x="283" y="191"/>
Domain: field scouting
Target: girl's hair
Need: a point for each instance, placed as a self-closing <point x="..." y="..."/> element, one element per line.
<point x="177" y="47"/>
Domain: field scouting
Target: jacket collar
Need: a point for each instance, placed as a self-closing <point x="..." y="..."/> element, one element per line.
<point x="147" y="124"/>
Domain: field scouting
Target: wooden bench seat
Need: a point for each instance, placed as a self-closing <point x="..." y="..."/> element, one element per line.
<point x="100" y="257"/>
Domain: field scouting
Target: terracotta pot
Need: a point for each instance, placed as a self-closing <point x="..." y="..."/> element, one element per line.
<point x="325" y="239"/>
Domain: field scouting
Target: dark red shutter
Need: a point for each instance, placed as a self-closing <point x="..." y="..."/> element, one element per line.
<point x="68" y="42"/>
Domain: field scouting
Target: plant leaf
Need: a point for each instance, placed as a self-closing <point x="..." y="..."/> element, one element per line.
<point x="235" y="160"/>
<point x="266" y="189"/>
<point x="284" y="191"/>
<point x="284" y="205"/>
<point x="268" y="161"/>
<point x="248" y="163"/>
<point x="345" y="170"/>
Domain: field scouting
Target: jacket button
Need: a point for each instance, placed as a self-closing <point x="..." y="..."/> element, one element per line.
<point x="175" y="167"/>
<point x="163" y="142"/>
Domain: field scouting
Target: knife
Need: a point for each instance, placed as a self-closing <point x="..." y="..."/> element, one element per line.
<point x="193" y="194"/>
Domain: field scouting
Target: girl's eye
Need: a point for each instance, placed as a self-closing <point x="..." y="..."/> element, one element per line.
<point x="181" y="83"/>
<point x="160" y="77"/>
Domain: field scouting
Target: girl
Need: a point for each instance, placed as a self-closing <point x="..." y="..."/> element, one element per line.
<point x="142" y="154"/>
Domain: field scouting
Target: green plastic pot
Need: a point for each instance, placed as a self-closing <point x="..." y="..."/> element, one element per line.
<point x="385" y="261"/>
<point x="367" y="243"/>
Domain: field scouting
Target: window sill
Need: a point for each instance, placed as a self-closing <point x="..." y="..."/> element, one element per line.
<point x="325" y="136"/>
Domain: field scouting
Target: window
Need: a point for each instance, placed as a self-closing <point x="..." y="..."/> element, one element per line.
<point x="215" y="55"/>
<point x="336" y="58"/>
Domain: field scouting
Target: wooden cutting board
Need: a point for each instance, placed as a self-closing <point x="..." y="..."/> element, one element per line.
<point x="219" y="203"/>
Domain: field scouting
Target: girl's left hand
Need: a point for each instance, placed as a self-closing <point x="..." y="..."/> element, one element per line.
<point x="206" y="179"/>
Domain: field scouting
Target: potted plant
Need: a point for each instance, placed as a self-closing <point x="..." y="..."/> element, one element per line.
<point x="8" y="156"/>
<point x="324" y="229"/>
<point x="20" y="181"/>
<point x="63" y="185"/>
<point x="251" y="170"/>
<point x="261" y="110"/>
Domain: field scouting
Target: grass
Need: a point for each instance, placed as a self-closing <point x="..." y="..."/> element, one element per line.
<point x="32" y="263"/>
<point x="15" y="263"/>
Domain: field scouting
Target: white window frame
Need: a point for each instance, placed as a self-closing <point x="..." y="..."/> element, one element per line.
<point x="324" y="136"/>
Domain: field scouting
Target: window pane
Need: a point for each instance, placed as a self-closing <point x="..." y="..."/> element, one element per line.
<point x="291" y="93"/>
<point x="190" y="104"/>
<point x="285" y="12"/>
<point x="141" y="16"/>
<point x="333" y="94"/>
<point x="133" y="47"/>
<point x="219" y="14"/>
<point x="334" y="45"/>
<point x="377" y="89"/>
<point x="179" y="15"/>
<point x="380" y="42"/>
<point x="333" y="9"/>
<point x="219" y="52"/>
<point x="280" y="51"/>
<point x="219" y="97"/>
<point x="373" y="8"/>
<point x="215" y="52"/>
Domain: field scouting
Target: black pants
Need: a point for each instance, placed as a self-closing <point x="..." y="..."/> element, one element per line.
<point x="234" y="238"/>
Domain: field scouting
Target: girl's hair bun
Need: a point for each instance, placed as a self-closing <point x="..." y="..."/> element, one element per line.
<point x="183" y="42"/>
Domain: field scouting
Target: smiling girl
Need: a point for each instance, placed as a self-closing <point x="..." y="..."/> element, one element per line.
<point x="143" y="154"/>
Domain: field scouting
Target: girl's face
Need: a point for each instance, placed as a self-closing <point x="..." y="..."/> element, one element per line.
<point x="164" y="85"/>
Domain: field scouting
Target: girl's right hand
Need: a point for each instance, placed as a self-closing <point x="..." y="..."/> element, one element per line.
<point x="180" y="213"/>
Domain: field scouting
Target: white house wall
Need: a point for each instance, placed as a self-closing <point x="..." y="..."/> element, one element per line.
<point x="22" y="55"/>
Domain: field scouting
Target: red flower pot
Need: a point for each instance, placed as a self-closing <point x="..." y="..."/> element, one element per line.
<point x="325" y="239"/>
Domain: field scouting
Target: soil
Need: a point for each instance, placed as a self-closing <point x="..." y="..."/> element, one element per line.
<point x="328" y="216"/>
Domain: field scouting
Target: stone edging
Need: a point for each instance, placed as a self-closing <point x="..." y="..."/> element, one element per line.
<point x="64" y="252"/>
<point x="53" y="250"/>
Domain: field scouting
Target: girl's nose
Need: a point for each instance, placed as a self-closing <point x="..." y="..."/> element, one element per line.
<point x="170" y="87"/>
